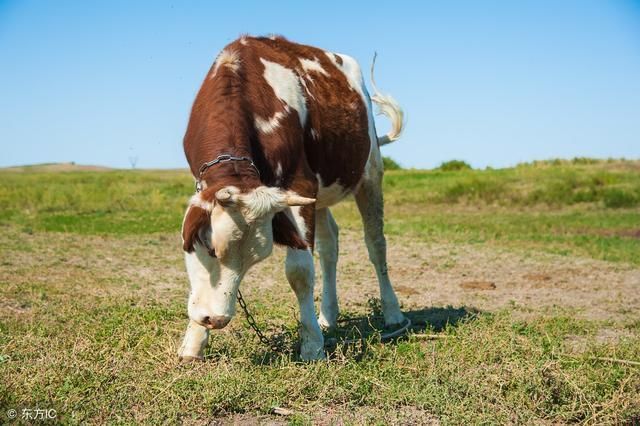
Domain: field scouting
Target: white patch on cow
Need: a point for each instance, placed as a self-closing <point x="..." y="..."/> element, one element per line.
<point x="287" y="87"/>
<point x="279" y="170"/>
<point x="270" y="125"/>
<point x="197" y="201"/>
<point x="314" y="134"/>
<point x="299" y="221"/>
<point x="227" y="58"/>
<point x="244" y="41"/>
<point x="306" y="88"/>
<point x="351" y="70"/>
<point x="329" y="195"/>
<point x="309" y="65"/>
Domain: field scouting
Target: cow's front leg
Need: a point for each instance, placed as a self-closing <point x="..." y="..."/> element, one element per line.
<point x="300" y="274"/>
<point x="194" y="343"/>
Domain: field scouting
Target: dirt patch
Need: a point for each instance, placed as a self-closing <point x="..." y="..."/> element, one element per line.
<point x="478" y="285"/>
<point x="477" y="276"/>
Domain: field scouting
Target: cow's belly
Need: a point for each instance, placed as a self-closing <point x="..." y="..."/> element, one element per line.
<point x="330" y="195"/>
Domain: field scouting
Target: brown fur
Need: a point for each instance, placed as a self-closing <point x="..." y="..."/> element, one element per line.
<point x="222" y="122"/>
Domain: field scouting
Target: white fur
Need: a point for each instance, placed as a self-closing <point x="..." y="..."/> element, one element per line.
<point x="287" y="87"/>
<point x="301" y="225"/>
<point x="351" y="70"/>
<point x="309" y="65"/>
<point x="270" y="125"/>
<point x="300" y="274"/>
<point x="314" y="134"/>
<point x="388" y="106"/>
<point x="329" y="195"/>
<point x="197" y="201"/>
<point x="327" y="248"/>
<point x="228" y="58"/>
<point x="195" y="341"/>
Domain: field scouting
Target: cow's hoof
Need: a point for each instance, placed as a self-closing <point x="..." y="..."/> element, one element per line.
<point x="327" y="324"/>
<point x="394" y="319"/>
<point x="312" y="352"/>
<point x="187" y="359"/>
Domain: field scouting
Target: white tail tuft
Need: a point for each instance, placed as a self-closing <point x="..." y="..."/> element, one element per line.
<point x="389" y="107"/>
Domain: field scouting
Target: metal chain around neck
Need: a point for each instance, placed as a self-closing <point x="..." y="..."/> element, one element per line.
<point x="221" y="159"/>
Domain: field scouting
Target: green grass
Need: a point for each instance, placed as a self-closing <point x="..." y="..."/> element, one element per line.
<point x="589" y="208"/>
<point x="95" y="360"/>
<point x="97" y="347"/>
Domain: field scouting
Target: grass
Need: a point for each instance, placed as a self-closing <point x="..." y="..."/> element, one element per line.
<point x="79" y="335"/>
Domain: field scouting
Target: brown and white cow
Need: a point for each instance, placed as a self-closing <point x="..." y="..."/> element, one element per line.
<point x="299" y="124"/>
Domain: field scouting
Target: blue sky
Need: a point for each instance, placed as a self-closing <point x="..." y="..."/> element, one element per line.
<point x="490" y="82"/>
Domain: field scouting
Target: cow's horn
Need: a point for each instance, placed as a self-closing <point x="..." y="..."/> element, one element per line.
<point x="294" y="199"/>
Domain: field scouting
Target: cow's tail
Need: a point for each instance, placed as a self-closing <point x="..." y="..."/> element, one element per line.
<point x="389" y="107"/>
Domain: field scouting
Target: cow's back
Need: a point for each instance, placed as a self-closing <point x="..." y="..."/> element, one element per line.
<point x="309" y="110"/>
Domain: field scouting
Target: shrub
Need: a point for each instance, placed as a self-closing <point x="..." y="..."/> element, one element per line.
<point x="617" y="198"/>
<point x="454" y="165"/>
<point x="390" y="164"/>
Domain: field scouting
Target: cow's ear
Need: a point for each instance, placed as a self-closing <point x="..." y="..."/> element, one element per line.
<point x="285" y="232"/>
<point x="195" y="226"/>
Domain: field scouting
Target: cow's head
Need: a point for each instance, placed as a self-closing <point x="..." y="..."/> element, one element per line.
<point x="222" y="239"/>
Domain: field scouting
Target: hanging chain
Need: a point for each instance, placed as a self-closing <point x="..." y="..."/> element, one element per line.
<point x="267" y="342"/>
<point x="252" y="322"/>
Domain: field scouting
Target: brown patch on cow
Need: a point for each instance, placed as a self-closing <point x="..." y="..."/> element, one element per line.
<point x="285" y="233"/>
<point x="223" y="122"/>
<point x="478" y="285"/>
<point x="195" y="221"/>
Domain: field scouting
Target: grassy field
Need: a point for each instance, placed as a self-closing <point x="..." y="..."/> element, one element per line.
<point x="93" y="290"/>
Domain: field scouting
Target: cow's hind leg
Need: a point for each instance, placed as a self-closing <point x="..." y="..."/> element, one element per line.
<point x="327" y="248"/>
<point x="300" y="274"/>
<point x="371" y="206"/>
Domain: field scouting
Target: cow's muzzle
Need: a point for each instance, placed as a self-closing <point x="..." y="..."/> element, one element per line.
<point x="215" y="322"/>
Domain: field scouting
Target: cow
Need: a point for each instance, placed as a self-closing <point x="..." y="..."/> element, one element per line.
<point x="279" y="132"/>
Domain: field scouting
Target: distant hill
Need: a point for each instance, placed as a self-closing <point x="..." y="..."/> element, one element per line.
<point x="55" y="167"/>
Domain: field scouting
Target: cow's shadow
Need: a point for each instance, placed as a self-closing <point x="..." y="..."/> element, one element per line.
<point x="355" y="335"/>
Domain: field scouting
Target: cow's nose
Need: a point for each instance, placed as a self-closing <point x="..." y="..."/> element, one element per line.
<point x="216" y="322"/>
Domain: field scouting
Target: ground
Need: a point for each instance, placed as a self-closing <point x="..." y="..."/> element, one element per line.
<point x="524" y="311"/>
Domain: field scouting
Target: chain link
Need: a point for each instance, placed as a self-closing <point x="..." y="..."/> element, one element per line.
<point x="267" y="342"/>
<point x="252" y="322"/>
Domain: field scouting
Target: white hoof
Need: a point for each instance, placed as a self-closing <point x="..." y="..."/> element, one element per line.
<point x="312" y="351"/>
<point x="190" y="359"/>
<point x="327" y="323"/>
<point x="393" y="318"/>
